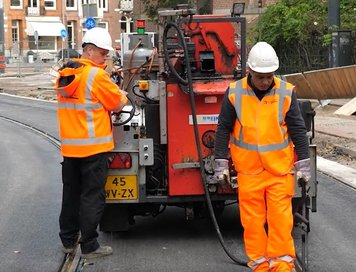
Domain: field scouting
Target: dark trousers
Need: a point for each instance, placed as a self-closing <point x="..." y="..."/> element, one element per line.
<point x="83" y="200"/>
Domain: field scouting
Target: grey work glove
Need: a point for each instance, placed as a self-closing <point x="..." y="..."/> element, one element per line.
<point x="221" y="171"/>
<point x="303" y="169"/>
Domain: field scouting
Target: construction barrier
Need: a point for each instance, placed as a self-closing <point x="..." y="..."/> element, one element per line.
<point x="331" y="83"/>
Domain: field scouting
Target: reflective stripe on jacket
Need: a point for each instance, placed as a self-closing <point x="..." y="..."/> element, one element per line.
<point x="84" y="106"/>
<point x="260" y="140"/>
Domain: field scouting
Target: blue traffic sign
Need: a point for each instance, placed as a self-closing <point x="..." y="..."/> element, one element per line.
<point x="90" y="23"/>
<point x="64" y="33"/>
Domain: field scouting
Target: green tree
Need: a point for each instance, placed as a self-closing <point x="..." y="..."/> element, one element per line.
<point x="205" y="7"/>
<point x="298" y="30"/>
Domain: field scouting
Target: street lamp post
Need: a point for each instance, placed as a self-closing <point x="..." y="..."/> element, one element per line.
<point x="334" y="25"/>
<point x="260" y="6"/>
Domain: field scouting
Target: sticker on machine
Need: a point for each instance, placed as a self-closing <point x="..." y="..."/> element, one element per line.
<point x="205" y="119"/>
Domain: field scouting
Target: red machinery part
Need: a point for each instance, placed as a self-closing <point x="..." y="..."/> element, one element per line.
<point x="208" y="36"/>
<point x="181" y="143"/>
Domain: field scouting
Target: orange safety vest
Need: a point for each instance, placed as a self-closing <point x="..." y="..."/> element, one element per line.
<point x="260" y="139"/>
<point x="84" y="106"/>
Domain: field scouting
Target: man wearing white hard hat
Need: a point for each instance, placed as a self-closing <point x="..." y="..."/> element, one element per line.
<point x="86" y="97"/>
<point x="261" y="122"/>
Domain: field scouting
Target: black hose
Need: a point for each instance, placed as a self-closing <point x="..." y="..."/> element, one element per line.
<point x="132" y="113"/>
<point x="166" y="54"/>
<point x="196" y="134"/>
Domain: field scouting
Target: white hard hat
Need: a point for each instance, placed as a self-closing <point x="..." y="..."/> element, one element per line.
<point x="100" y="37"/>
<point x="262" y="58"/>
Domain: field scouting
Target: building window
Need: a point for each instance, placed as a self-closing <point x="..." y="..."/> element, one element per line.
<point x="126" y="24"/>
<point x="71" y="4"/>
<point x="71" y="35"/>
<point x="103" y="4"/>
<point x="50" y="4"/>
<point x="89" y="2"/>
<point x="16" y="4"/>
<point x="15" y="30"/>
<point x="33" y="3"/>
<point x="44" y="43"/>
<point x="103" y="25"/>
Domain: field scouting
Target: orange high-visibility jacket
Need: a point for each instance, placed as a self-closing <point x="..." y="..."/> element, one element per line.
<point x="260" y="140"/>
<point x="86" y="95"/>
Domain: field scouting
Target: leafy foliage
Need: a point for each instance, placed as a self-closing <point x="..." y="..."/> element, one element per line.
<point x="205" y="7"/>
<point x="298" y="30"/>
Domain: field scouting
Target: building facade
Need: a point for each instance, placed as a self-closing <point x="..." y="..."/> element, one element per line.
<point x="36" y="26"/>
<point x="43" y="27"/>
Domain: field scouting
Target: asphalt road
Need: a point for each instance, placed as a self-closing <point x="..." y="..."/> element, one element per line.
<point x="30" y="193"/>
<point x="29" y="201"/>
<point x="333" y="228"/>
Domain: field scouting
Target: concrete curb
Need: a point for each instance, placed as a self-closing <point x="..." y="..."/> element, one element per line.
<point x="345" y="150"/>
<point x="340" y="172"/>
<point x="29" y="98"/>
<point x="20" y="75"/>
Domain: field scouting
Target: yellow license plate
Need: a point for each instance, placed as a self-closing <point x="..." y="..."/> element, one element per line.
<point x="121" y="188"/>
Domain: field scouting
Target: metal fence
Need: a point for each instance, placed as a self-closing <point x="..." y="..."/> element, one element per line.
<point x="300" y="56"/>
<point x="296" y="63"/>
<point x="297" y="56"/>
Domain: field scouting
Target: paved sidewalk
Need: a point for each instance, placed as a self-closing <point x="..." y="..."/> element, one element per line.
<point x="336" y="126"/>
<point x="342" y="127"/>
<point x="340" y="172"/>
<point x="26" y="69"/>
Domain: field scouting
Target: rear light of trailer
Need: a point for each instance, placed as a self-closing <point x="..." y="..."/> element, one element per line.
<point x="120" y="161"/>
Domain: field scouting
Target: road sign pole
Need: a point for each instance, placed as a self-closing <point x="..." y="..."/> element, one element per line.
<point x="64" y="35"/>
<point x="35" y="34"/>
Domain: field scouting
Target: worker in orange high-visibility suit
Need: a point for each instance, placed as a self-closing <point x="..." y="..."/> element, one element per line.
<point x="261" y="118"/>
<point x="86" y="96"/>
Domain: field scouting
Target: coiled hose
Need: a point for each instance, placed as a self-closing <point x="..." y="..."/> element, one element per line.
<point x="189" y="83"/>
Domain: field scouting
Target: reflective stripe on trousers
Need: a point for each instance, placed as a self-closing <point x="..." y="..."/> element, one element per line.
<point x="281" y="264"/>
<point x="260" y="264"/>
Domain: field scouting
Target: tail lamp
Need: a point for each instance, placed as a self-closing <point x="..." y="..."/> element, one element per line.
<point x="120" y="161"/>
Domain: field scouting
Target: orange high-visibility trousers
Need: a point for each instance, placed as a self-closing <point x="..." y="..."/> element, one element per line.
<point x="267" y="198"/>
<point x="281" y="266"/>
<point x="259" y="267"/>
